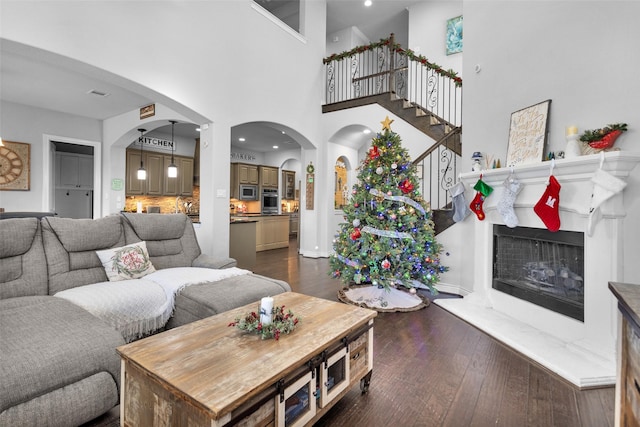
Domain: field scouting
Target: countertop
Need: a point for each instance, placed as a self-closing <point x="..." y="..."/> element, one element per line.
<point x="249" y="215"/>
<point x="628" y="296"/>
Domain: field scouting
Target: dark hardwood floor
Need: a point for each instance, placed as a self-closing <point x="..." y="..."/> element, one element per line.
<point x="432" y="369"/>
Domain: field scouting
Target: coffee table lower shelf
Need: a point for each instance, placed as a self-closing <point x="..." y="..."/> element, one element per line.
<point x="297" y="394"/>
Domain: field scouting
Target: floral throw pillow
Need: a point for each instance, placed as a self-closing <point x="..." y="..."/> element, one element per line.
<point x="127" y="262"/>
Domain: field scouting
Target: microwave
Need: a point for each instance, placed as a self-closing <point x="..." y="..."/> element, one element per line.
<point x="248" y="192"/>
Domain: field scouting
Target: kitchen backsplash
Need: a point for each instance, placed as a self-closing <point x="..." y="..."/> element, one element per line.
<point x="167" y="204"/>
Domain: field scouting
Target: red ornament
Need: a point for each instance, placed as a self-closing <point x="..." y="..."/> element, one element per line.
<point x="386" y="264"/>
<point x="374" y="153"/>
<point x="355" y="234"/>
<point x="406" y="186"/>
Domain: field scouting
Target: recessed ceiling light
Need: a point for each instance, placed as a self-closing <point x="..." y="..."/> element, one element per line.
<point x="367" y="3"/>
<point x="241" y="139"/>
<point x="366" y="131"/>
<point x="197" y="129"/>
<point x="283" y="132"/>
<point x="275" y="147"/>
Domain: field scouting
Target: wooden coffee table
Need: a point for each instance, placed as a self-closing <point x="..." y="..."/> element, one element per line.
<point x="207" y="373"/>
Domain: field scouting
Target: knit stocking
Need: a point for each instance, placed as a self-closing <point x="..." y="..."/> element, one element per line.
<point x="482" y="191"/>
<point x="605" y="186"/>
<point x="460" y="208"/>
<point x="505" y="206"/>
<point x="547" y="206"/>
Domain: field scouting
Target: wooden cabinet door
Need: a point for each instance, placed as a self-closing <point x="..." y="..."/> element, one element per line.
<point x="85" y="172"/>
<point x="171" y="185"/>
<point x="268" y="177"/>
<point x="252" y="173"/>
<point x="185" y="176"/>
<point x="134" y="186"/>
<point x="74" y="171"/>
<point x="67" y="170"/>
<point x="154" y="164"/>
<point x="288" y="185"/>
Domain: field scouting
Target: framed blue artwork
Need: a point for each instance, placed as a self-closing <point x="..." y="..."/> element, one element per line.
<point x="454" y="35"/>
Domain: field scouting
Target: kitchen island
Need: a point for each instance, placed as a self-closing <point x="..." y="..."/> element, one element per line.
<point x="242" y="242"/>
<point x="272" y="231"/>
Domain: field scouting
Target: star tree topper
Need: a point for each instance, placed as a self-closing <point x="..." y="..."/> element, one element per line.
<point x="386" y="123"/>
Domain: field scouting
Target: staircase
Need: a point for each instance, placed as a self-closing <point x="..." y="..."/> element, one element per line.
<point x="420" y="93"/>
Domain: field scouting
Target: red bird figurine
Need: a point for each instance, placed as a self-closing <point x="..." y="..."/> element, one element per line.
<point x="604" y="138"/>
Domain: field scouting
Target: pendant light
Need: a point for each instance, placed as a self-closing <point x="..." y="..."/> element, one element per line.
<point x="142" y="172"/>
<point x="172" y="170"/>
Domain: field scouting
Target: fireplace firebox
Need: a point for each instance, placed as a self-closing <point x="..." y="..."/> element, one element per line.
<point x="542" y="267"/>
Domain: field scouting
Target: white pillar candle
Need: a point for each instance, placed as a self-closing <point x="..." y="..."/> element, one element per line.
<point x="266" y="307"/>
<point x="139" y="207"/>
<point x="571" y="130"/>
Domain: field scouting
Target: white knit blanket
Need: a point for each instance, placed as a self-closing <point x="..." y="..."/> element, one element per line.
<point x="133" y="307"/>
<point x="138" y="307"/>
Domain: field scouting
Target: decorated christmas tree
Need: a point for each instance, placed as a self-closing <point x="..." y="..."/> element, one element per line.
<point x="388" y="238"/>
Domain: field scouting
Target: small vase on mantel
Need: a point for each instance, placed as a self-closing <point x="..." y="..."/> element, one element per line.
<point x="573" y="148"/>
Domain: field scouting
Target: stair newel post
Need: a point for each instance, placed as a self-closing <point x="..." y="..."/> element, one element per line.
<point x="392" y="64"/>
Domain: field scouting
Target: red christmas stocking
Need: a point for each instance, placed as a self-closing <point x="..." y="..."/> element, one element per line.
<point x="482" y="191"/>
<point x="547" y="206"/>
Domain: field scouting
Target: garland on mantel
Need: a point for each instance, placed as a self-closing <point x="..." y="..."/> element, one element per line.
<point x="396" y="48"/>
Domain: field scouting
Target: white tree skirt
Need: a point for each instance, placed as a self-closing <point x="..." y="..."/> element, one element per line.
<point x="383" y="300"/>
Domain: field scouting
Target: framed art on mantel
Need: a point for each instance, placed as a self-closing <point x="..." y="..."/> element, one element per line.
<point x="528" y="134"/>
<point x="15" y="164"/>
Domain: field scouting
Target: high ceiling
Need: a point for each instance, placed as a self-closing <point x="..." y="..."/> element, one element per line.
<point x="48" y="81"/>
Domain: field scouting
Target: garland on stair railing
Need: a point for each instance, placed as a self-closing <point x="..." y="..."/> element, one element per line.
<point x="396" y="48"/>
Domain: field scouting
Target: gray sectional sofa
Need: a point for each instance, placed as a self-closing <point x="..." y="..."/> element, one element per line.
<point x="58" y="364"/>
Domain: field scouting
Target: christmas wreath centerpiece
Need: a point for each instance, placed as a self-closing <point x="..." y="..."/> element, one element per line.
<point x="601" y="139"/>
<point x="281" y="323"/>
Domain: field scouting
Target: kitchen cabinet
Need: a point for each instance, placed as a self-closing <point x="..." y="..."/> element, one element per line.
<point x="182" y="185"/>
<point x="268" y="177"/>
<point x="243" y="174"/>
<point x="74" y="171"/>
<point x="154" y="164"/>
<point x="294" y="221"/>
<point x="248" y="174"/>
<point x="242" y="243"/>
<point x="288" y="185"/>
<point x="157" y="182"/>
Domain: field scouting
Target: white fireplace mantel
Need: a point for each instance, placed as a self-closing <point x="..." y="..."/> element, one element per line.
<point x="581" y="352"/>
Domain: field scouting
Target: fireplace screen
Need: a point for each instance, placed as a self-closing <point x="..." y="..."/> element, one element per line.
<point x="541" y="267"/>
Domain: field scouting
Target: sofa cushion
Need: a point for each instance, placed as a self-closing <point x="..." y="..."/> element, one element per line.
<point x="70" y="246"/>
<point x="199" y="301"/>
<point x="77" y="235"/>
<point x="49" y="343"/>
<point x="170" y="238"/>
<point x="72" y="405"/>
<point x="126" y="262"/>
<point x="21" y="233"/>
<point x="23" y="268"/>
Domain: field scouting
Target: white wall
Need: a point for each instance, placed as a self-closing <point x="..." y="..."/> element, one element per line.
<point x="427" y="32"/>
<point x="345" y="40"/>
<point x="193" y="64"/>
<point x="28" y="124"/>
<point x="530" y="51"/>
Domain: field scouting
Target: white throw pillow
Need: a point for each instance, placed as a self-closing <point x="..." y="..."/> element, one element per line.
<point x="126" y="262"/>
